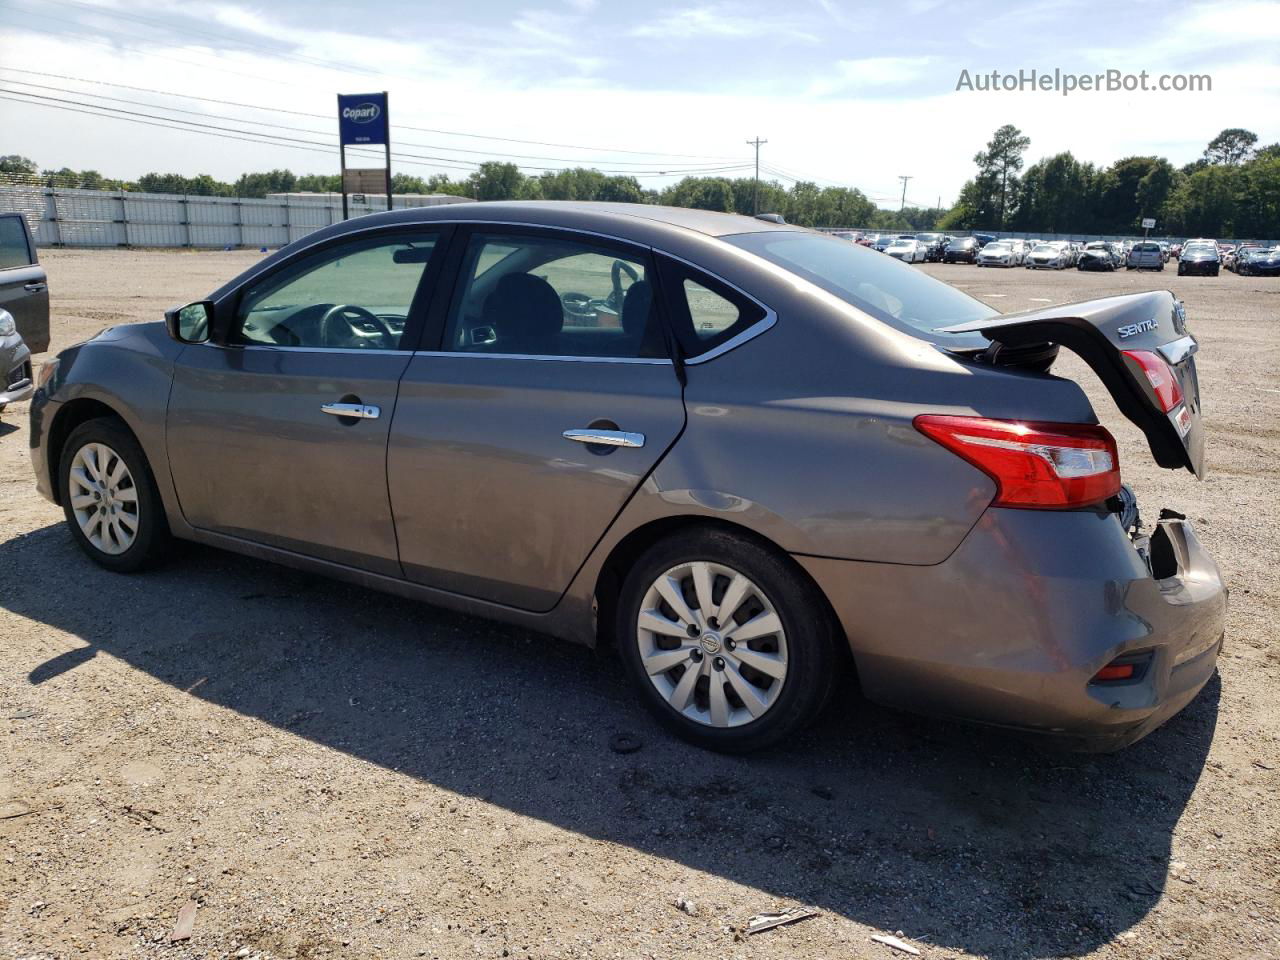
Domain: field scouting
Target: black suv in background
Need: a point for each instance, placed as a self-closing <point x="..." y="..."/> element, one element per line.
<point x="1199" y="257"/>
<point x="962" y="250"/>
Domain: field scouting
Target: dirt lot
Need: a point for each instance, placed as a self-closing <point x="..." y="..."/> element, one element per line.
<point x="326" y="771"/>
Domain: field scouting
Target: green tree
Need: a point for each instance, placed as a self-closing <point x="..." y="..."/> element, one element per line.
<point x="1232" y="146"/>
<point x="407" y="183"/>
<point x="1000" y="163"/>
<point x="701" y="193"/>
<point x="1154" y="188"/>
<point x="1257" y="208"/>
<point x="258" y="185"/>
<point x="495" y="181"/>
<point x="1204" y="204"/>
<point x="14" y="163"/>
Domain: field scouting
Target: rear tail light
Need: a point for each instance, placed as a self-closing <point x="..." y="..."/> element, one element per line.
<point x="1160" y="375"/>
<point x="1051" y="466"/>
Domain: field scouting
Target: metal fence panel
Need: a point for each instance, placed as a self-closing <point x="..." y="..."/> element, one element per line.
<point x="101" y="218"/>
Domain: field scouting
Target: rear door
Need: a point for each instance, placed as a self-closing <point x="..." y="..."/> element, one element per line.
<point x="1140" y="348"/>
<point x="533" y="416"/>
<point x="24" y="288"/>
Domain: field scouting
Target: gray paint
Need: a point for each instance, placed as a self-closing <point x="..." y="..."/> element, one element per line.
<point x="948" y="605"/>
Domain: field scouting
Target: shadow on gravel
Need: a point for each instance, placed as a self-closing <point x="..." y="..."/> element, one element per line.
<point x="965" y="837"/>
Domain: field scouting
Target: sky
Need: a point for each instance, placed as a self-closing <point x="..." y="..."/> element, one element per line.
<point x="851" y="94"/>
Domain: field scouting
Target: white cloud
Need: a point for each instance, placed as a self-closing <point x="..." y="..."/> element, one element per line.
<point x="835" y="121"/>
<point x="723" y="21"/>
<point x="872" y="73"/>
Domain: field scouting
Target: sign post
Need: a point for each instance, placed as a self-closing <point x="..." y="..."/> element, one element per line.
<point x="1147" y="224"/>
<point x="363" y="121"/>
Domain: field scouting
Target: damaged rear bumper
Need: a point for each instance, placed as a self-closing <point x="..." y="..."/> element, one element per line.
<point x="1013" y="627"/>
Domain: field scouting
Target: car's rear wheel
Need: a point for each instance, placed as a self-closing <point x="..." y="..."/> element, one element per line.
<point x="109" y="497"/>
<point x="729" y="645"/>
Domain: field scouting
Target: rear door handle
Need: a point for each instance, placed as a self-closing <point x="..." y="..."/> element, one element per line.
<point x="35" y="287"/>
<point x="606" y="438"/>
<point x="360" y="411"/>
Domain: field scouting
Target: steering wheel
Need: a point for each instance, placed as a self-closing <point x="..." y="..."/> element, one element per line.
<point x="580" y="305"/>
<point x="347" y="313"/>
<point x="615" y="274"/>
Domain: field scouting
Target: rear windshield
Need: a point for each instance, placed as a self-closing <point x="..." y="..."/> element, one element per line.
<point x="889" y="290"/>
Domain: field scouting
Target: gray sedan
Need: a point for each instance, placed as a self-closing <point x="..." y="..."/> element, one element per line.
<point x="747" y="455"/>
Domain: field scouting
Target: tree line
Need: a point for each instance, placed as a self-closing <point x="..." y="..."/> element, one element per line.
<point x="1233" y="190"/>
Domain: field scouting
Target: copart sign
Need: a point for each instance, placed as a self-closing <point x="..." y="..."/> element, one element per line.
<point x="362" y="118"/>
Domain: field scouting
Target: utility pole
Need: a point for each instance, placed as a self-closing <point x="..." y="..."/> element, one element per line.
<point x="755" y="188"/>
<point x="904" y="180"/>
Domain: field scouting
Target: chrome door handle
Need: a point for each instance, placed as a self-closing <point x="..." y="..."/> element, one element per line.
<point x="35" y="287"/>
<point x="606" y="438"/>
<point x="360" y="411"/>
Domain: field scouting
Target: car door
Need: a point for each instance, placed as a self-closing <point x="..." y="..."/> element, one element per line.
<point x="24" y="288"/>
<point x="549" y="398"/>
<point x="278" y="434"/>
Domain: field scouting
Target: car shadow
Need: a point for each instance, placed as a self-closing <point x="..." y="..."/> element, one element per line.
<point x="970" y="838"/>
<point x="7" y="428"/>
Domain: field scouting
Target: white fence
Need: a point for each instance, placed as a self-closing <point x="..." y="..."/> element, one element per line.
<point x="98" y="218"/>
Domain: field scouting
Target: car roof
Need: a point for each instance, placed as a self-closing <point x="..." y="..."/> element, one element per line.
<point x="584" y="214"/>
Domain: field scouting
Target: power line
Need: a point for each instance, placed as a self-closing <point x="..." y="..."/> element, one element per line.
<point x="904" y="180"/>
<point x="263" y="123"/>
<point x="253" y="136"/>
<point x="394" y="126"/>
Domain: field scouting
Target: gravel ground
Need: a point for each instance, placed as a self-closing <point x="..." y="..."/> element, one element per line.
<point x="325" y="771"/>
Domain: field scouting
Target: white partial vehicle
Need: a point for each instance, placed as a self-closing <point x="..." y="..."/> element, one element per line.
<point x="1047" y="256"/>
<point x="908" y="251"/>
<point x="998" y="253"/>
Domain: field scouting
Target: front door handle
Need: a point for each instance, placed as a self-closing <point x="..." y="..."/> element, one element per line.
<point x="359" y="411"/>
<point x="35" y="287"/>
<point x="606" y="438"/>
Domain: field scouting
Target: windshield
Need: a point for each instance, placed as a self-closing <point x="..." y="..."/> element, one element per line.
<point x="902" y="243"/>
<point x="890" y="291"/>
<point x="998" y="246"/>
<point x="1045" y="248"/>
<point x="959" y="244"/>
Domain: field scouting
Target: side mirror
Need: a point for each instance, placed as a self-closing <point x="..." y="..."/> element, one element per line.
<point x="192" y="323"/>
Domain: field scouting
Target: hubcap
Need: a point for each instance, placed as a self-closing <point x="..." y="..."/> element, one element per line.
<point x="712" y="644"/>
<point x="104" y="498"/>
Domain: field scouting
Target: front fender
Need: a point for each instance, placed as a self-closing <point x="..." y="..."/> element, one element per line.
<point x="127" y="369"/>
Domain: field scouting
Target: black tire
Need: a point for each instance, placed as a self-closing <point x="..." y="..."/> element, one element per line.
<point x="152" y="536"/>
<point x="813" y="655"/>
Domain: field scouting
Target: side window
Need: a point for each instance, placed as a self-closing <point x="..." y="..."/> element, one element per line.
<point x="704" y="311"/>
<point x="711" y="313"/>
<point x="359" y="294"/>
<point x="548" y="295"/>
<point x="14" y="251"/>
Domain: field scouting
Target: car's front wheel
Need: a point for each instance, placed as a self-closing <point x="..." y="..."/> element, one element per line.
<point x="109" y="497"/>
<point x="729" y="645"/>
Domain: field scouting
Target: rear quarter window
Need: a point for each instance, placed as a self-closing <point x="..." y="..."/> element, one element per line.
<point x="705" y="311"/>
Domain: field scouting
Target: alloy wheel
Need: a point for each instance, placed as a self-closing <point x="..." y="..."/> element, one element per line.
<point x="104" y="498"/>
<point x="712" y="644"/>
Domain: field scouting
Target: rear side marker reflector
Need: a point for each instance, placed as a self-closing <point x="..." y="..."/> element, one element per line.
<point x="1047" y="466"/>
<point x="1130" y="666"/>
<point x="1115" y="671"/>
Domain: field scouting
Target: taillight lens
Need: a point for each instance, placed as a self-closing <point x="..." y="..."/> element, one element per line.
<point x="1160" y="375"/>
<point x="1051" y="466"/>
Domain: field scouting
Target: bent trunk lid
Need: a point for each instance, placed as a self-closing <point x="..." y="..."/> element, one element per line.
<point x="1100" y="332"/>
